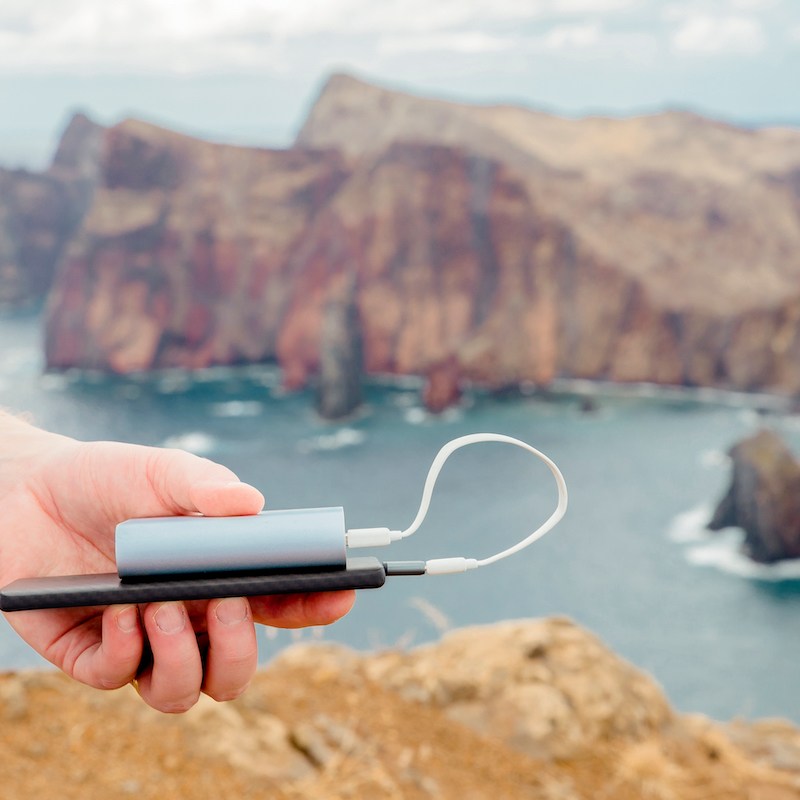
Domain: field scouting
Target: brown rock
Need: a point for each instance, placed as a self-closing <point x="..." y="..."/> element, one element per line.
<point x="185" y="257"/>
<point x="547" y="688"/>
<point x="341" y="357"/>
<point x="763" y="498"/>
<point x="362" y="736"/>
<point x="688" y="230"/>
<point x="443" y="386"/>
<point x="40" y="212"/>
<point x="491" y="244"/>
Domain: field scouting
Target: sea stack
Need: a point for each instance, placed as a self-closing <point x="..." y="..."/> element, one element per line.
<point x="763" y="498"/>
<point x="341" y="358"/>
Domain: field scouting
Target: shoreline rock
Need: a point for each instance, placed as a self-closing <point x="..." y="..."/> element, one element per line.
<point x="763" y="498"/>
<point x="527" y="710"/>
<point x="339" y="389"/>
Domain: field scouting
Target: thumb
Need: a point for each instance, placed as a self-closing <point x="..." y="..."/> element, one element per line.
<point x="142" y="481"/>
<point x="185" y="483"/>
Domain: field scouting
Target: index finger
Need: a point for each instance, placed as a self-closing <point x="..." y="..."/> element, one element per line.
<point x="302" y="610"/>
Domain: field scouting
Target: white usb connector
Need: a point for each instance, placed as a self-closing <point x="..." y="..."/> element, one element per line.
<point x="371" y="537"/>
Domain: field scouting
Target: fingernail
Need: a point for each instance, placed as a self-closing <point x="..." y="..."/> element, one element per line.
<point x="170" y="618"/>
<point x="231" y="611"/>
<point x="127" y="619"/>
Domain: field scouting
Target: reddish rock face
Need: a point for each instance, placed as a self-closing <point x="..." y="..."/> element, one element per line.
<point x="40" y="212"/>
<point x="33" y="223"/>
<point x="185" y="258"/>
<point x="492" y="245"/>
<point x="443" y="386"/>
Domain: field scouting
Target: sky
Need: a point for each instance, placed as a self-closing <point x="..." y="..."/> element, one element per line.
<point x="246" y="70"/>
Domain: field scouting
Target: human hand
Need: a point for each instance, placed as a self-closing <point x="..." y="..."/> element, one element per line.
<point x="60" y="501"/>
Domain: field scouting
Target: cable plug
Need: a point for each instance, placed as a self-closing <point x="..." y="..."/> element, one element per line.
<point x="447" y="566"/>
<point x="371" y="537"/>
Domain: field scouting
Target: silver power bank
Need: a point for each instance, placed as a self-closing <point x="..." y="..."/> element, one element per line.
<point x="272" y="540"/>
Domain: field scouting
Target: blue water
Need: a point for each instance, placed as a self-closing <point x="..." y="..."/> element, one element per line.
<point x="718" y="642"/>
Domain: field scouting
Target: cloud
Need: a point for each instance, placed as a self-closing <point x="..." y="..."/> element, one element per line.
<point x="707" y="34"/>
<point x="467" y="42"/>
<point x="753" y="5"/>
<point x="193" y="35"/>
<point x="571" y="37"/>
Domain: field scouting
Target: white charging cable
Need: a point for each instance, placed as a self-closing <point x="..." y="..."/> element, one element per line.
<point x="374" y="537"/>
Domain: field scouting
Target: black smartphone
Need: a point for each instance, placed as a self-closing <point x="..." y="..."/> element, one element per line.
<point x="107" y="589"/>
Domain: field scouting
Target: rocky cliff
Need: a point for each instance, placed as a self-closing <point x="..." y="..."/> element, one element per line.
<point x="491" y="244"/>
<point x="536" y="709"/>
<point x="687" y="230"/>
<point x="39" y="213"/>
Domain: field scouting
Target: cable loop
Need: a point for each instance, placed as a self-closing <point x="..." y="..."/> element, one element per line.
<point x="475" y="438"/>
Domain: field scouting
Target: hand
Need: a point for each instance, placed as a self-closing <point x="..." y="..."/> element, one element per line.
<point x="60" y="501"/>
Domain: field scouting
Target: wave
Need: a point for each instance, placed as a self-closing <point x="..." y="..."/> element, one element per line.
<point x="405" y="399"/>
<point x="196" y="442"/>
<point x="344" y="437"/>
<point x="775" y="403"/>
<point x="713" y="459"/>
<point x="690" y="526"/>
<point x="217" y="374"/>
<point x="725" y="554"/>
<point x="174" y="382"/>
<point x="722" y="550"/>
<point x="416" y="415"/>
<point x="237" y="408"/>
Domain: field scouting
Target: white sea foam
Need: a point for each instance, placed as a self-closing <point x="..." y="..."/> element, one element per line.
<point x="195" y="442"/>
<point x="453" y="414"/>
<point x="690" y="526"/>
<point x="237" y="408"/>
<point x="405" y="399"/>
<point x="722" y="550"/>
<point x="344" y="437"/>
<point x="218" y="374"/>
<point x="724" y="553"/>
<point x="707" y="395"/>
<point x="713" y="459"/>
<point x="264" y="374"/>
<point x="416" y="415"/>
<point x="749" y="417"/>
<point x="174" y="382"/>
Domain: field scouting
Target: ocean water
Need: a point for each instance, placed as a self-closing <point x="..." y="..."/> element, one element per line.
<point x="630" y="561"/>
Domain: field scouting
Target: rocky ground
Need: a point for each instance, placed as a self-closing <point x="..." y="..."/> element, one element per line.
<point x="531" y="709"/>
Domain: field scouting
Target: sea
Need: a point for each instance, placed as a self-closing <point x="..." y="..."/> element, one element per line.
<point x="631" y="561"/>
